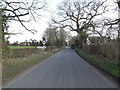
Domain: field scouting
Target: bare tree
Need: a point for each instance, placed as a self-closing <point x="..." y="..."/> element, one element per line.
<point x="61" y="37"/>
<point x="16" y="10"/>
<point x="55" y="36"/>
<point x="79" y="15"/>
<point x="51" y="35"/>
<point x="114" y="23"/>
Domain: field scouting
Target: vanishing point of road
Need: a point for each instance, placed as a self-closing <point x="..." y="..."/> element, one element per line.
<point x="64" y="69"/>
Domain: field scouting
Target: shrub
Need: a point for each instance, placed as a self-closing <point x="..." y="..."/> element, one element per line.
<point x="108" y="49"/>
<point x="23" y="52"/>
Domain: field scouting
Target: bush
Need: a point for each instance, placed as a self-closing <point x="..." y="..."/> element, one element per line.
<point x="23" y="52"/>
<point x="108" y="49"/>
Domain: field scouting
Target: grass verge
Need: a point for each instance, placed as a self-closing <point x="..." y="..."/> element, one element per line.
<point x="110" y="66"/>
<point x="12" y="67"/>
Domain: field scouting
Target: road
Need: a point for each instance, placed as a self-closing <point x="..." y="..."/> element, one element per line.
<point x="65" y="69"/>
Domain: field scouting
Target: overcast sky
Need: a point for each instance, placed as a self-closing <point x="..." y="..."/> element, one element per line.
<point x="40" y="25"/>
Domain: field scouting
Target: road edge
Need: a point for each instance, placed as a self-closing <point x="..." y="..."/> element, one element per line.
<point x="102" y="70"/>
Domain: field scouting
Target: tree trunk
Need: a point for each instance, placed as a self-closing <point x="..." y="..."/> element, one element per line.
<point x="81" y="39"/>
<point x="81" y="42"/>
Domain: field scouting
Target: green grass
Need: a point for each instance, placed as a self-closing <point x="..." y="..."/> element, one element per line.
<point x="11" y="67"/>
<point x="17" y="47"/>
<point x="110" y="65"/>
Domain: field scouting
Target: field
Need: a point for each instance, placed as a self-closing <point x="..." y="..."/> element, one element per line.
<point x="17" y="47"/>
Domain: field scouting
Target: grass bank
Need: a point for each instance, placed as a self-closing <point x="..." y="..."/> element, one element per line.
<point x="11" y="67"/>
<point x="111" y="66"/>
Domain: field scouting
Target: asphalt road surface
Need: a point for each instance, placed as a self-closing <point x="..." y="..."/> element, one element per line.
<point x="65" y="69"/>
